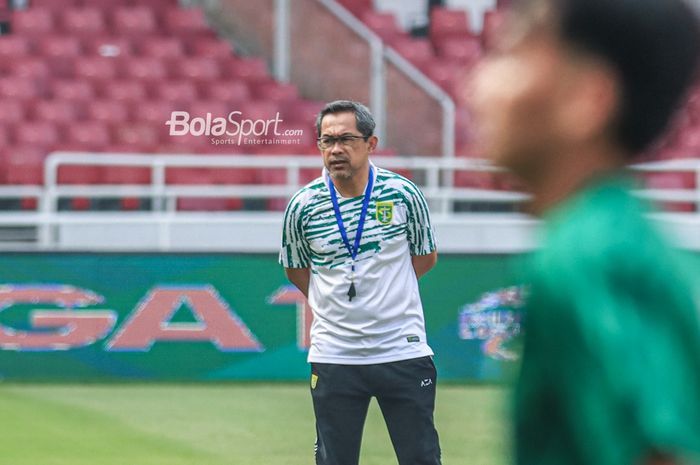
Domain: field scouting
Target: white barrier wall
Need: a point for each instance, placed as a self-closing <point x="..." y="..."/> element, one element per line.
<point x="260" y="233"/>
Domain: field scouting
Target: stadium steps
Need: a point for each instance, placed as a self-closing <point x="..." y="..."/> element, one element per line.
<point x="453" y="46"/>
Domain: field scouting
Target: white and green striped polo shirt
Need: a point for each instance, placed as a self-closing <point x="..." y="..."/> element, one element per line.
<point x="384" y="322"/>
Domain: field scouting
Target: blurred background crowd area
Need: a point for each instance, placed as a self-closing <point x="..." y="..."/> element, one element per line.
<point x="104" y="76"/>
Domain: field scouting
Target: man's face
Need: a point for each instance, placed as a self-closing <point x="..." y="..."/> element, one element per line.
<point x="516" y="96"/>
<point x="348" y="153"/>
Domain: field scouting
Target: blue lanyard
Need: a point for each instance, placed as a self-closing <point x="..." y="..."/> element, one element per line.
<point x="354" y="249"/>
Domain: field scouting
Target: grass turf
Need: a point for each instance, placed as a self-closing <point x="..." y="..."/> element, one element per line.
<point x="236" y="424"/>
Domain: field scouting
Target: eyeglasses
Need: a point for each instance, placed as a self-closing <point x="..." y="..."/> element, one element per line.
<point x="326" y="142"/>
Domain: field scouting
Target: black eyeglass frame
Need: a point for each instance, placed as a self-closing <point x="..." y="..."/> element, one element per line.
<point x="326" y="142"/>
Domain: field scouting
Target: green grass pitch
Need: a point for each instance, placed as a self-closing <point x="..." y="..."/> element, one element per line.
<point x="225" y="424"/>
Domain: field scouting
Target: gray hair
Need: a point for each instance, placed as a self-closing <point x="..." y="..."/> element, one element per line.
<point x="363" y="117"/>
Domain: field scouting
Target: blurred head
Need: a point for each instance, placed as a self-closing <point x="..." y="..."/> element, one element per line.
<point x="569" y="74"/>
<point x="346" y="138"/>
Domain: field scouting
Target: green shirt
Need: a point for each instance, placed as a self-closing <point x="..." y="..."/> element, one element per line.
<point x="611" y="358"/>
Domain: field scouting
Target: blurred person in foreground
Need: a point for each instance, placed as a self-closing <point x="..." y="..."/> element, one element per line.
<point x="573" y="92"/>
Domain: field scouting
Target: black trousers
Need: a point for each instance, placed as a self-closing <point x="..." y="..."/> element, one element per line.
<point x="405" y="392"/>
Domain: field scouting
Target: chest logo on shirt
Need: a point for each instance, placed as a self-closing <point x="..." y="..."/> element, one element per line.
<point x="385" y="212"/>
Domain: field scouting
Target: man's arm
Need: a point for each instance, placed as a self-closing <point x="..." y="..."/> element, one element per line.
<point x="424" y="263"/>
<point x="300" y="278"/>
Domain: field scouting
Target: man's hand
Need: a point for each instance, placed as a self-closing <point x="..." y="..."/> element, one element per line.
<point x="423" y="263"/>
<point x="300" y="278"/>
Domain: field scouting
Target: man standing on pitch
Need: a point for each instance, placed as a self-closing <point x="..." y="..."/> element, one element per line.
<point x="355" y="242"/>
<point x="575" y="90"/>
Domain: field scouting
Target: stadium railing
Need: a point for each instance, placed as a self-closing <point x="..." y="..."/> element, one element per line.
<point x="486" y="231"/>
<point x="432" y="174"/>
<point x="404" y="101"/>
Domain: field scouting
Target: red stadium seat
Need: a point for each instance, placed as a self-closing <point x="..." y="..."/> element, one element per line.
<point x="4" y="137"/>
<point x="445" y="73"/>
<point x="155" y="5"/>
<point x="18" y="87"/>
<point x="416" y="51"/>
<point x="58" y="111"/>
<point x="162" y="47"/>
<point x="466" y="151"/>
<point x="175" y="149"/>
<point x="249" y="69"/>
<point x="176" y="91"/>
<point x="196" y="69"/>
<point x="308" y="175"/>
<point x="474" y="180"/>
<point x="234" y="176"/>
<point x="124" y="174"/>
<point x="123" y="91"/>
<point x="256" y="109"/>
<point x="357" y="7"/>
<point x="210" y="47"/>
<point x="217" y="108"/>
<point x="108" y="46"/>
<point x="121" y="148"/>
<point x="185" y="144"/>
<point x="25" y="165"/>
<point x="137" y="20"/>
<point x="96" y="68"/>
<point x="83" y="21"/>
<point x="383" y="24"/>
<point x="108" y="111"/>
<point x="59" y="46"/>
<point x="446" y="22"/>
<point x="467" y="51"/>
<point x="33" y="22"/>
<point x="206" y="204"/>
<point x="183" y="21"/>
<point x="12" y="47"/>
<point x="154" y="112"/>
<point x="80" y="203"/>
<point x="55" y="5"/>
<point x="226" y="91"/>
<point x="189" y="176"/>
<point x="13" y="111"/>
<point x="89" y="135"/>
<point x="145" y="69"/>
<point x="105" y="5"/>
<point x="79" y="174"/>
<point x="130" y="203"/>
<point x="301" y="111"/>
<point x="30" y="68"/>
<point x="38" y="134"/>
<point x="274" y="91"/>
<point x="137" y="135"/>
<point x="71" y="90"/>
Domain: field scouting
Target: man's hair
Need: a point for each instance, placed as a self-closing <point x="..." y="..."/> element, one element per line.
<point x="652" y="45"/>
<point x="363" y="118"/>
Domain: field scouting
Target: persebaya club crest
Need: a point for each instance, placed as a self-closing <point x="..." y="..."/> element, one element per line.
<point x="385" y="212"/>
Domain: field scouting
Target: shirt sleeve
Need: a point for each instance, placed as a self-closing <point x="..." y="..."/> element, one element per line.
<point x="295" y="252"/>
<point x="421" y="237"/>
